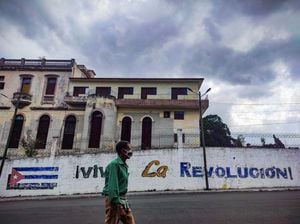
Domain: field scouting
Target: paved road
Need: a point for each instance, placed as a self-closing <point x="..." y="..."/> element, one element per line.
<point x="228" y="207"/>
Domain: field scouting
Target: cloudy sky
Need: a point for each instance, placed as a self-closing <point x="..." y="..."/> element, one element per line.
<point x="248" y="52"/>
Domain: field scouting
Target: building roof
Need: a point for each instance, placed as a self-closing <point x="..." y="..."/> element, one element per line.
<point x="122" y="79"/>
<point x="36" y="64"/>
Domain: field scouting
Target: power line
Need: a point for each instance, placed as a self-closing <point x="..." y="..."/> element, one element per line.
<point x="255" y="104"/>
<point x="269" y="135"/>
<point x="242" y="125"/>
<point x="262" y="120"/>
<point x="265" y="111"/>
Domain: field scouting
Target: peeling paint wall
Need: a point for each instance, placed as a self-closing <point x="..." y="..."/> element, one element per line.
<point x="154" y="170"/>
<point x="31" y="116"/>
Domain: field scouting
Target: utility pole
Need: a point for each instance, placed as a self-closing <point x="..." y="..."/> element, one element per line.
<point x="201" y="134"/>
<point x="202" y="140"/>
<point x="10" y="132"/>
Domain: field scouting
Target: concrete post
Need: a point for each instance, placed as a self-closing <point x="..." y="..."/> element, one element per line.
<point x="179" y="139"/>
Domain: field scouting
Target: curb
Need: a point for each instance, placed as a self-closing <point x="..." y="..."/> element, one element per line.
<point x="145" y="193"/>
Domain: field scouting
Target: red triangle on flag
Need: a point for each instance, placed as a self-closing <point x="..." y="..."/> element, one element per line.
<point x="15" y="177"/>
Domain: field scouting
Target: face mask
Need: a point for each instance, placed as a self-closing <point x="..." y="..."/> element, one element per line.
<point x="127" y="153"/>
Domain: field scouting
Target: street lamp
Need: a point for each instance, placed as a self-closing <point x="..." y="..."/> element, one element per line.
<point x="201" y="135"/>
<point x="10" y="132"/>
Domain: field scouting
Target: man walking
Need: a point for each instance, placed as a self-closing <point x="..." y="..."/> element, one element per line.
<point x="116" y="187"/>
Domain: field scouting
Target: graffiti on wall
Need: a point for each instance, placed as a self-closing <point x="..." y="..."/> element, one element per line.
<point x="154" y="170"/>
<point x="32" y="178"/>
<point x="89" y="172"/>
<point x="187" y="170"/>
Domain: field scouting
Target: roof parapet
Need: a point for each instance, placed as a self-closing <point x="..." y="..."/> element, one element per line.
<point x="37" y="64"/>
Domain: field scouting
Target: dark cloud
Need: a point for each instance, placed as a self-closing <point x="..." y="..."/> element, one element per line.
<point x="250" y="68"/>
<point x="224" y="11"/>
<point x="118" y="45"/>
<point x="217" y="61"/>
<point x="29" y="17"/>
<point x="256" y="7"/>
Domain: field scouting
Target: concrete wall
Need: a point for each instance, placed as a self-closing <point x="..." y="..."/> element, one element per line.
<point x="155" y="169"/>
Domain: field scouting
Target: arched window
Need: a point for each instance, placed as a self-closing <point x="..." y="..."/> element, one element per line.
<point x="146" y="133"/>
<point x="95" y="129"/>
<point x="42" y="133"/>
<point x="69" y="132"/>
<point x="126" y="129"/>
<point x="16" y="132"/>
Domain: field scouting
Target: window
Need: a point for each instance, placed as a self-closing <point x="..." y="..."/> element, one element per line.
<point x="69" y="132"/>
<point x="79" y="90"/>
<point x="50" y="89"/>
<point x="176" y="138"/>
<point x="124" y="91"/>
<point x="178" y="91"/>
<point x="146" y="133"/>
<point x="167" y="114"/>
<point x="95" y="129"/>
<point x="16" y="132"/>
<point x="51" y="83"/>
<point x="179" y="115"/>
<point x="2" y="82"/>
<point x="148" y="91"/>
<point x="25" y="86"/>
<point x="103" y="91"/>
<point x="42" y="133"/>
<point x="126" y="129"/>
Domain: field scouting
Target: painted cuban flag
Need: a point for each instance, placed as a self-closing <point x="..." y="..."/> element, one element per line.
<point x="32" y="178"/>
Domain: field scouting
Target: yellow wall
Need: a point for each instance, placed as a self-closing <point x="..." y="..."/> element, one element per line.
<point x="163" y="88"/>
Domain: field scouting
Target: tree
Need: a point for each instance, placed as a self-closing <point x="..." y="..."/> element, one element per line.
<point x="278" y="143"/>
<point x="240" y="141"/>
<point x="216" y="133"/>
<point x="28" y="144"/>
<point x="263" y="141"/>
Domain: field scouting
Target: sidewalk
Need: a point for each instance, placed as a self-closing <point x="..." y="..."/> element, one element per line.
<point x="95" y="195"/>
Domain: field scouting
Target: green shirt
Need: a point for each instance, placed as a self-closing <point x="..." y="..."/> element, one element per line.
<point x="116" y="180"/>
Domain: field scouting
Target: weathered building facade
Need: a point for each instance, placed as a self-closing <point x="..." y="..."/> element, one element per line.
<point x="67" y="110"/>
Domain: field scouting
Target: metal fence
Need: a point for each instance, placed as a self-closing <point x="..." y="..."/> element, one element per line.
<point x="290" y="140"/>
<point x="160" y="139"/>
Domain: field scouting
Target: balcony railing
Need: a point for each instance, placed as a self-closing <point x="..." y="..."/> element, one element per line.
<point x="76" y="100"/>
<point x="161" y="103"/>
<point x="48" y="98"/>
<point x="24" y="99"/>
<point x="83" y="98"/>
